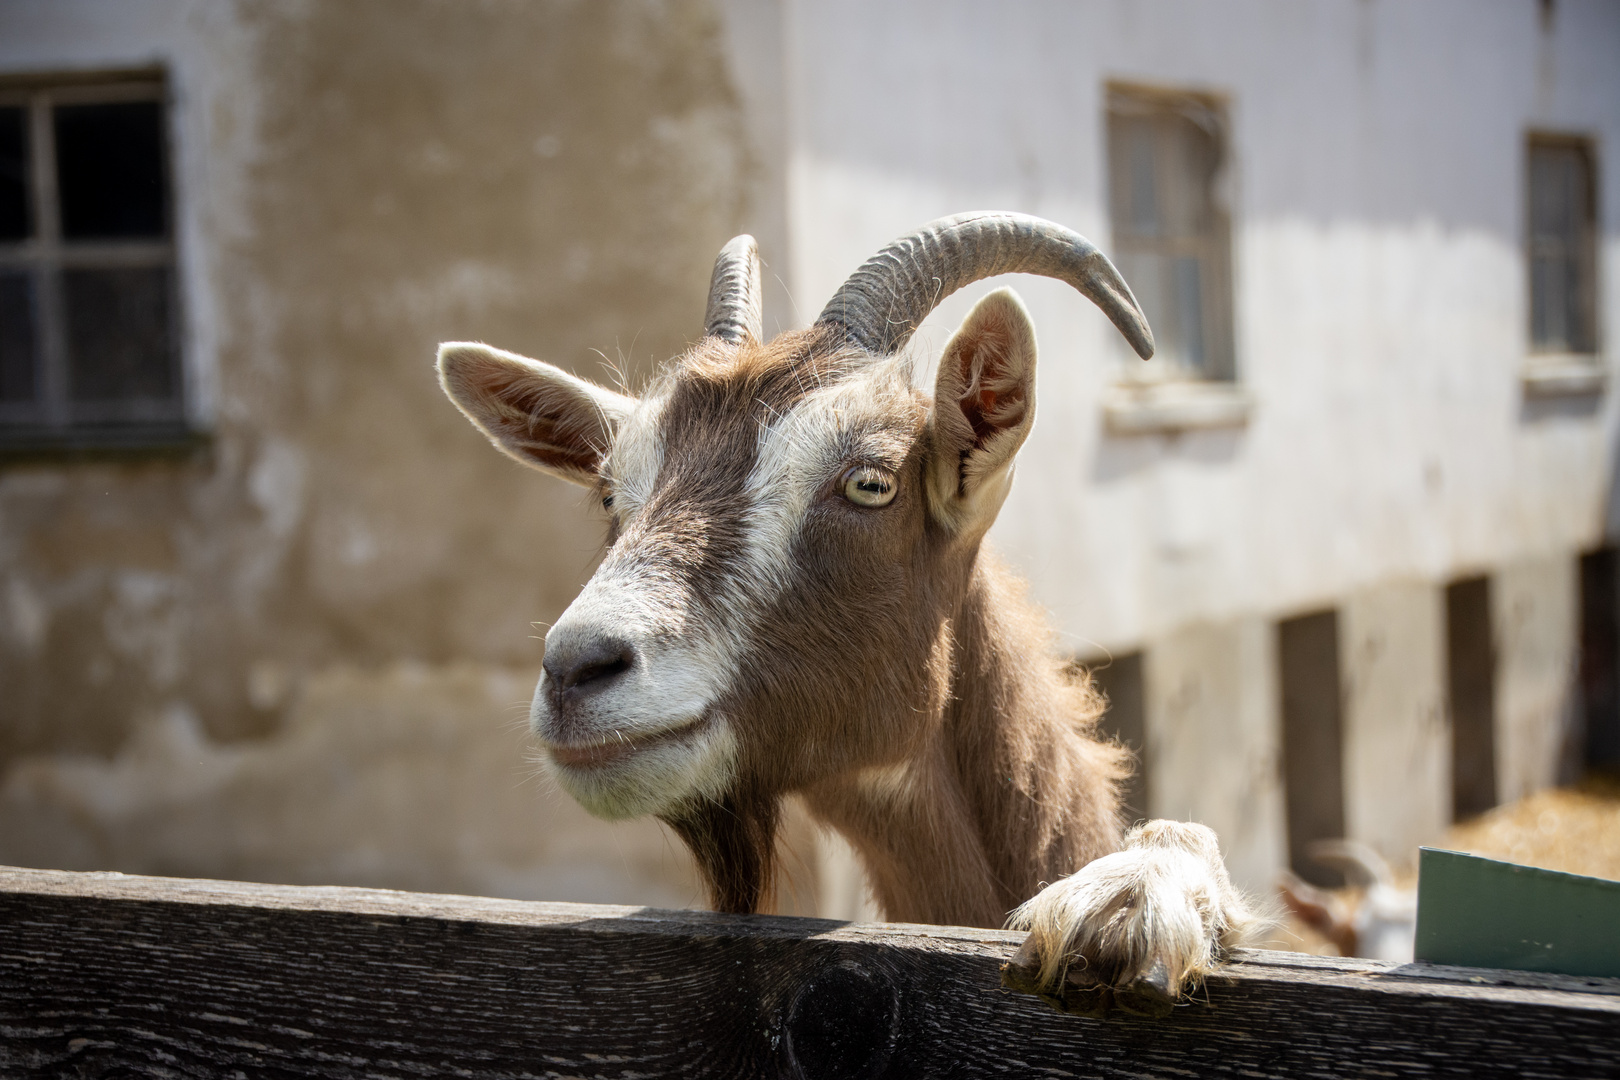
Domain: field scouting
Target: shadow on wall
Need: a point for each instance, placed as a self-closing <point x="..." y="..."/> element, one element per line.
<point x="1599" y="679"/>
<point x="199" y="655"/>
<point x="398" y="778"/>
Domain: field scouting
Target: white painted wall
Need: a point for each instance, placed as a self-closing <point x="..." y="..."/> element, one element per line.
<point x="1397" y="741"/>
<point x="1378" y="269"/>
<point x="1535" y="612"/>
<point x="1212" y="741"/>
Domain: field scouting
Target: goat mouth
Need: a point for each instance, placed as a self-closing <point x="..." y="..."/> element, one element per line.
<point x="618" y="747"/>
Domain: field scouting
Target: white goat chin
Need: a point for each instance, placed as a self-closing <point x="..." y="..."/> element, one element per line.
<point x="653" y="776"/>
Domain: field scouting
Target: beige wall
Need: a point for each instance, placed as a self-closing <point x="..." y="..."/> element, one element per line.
<point x="357" y="181"/>
<point x="1397" y="736"/>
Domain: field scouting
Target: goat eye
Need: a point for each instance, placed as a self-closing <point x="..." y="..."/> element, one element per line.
<point x="607" y="502"/>
<point x="866" y="485"/>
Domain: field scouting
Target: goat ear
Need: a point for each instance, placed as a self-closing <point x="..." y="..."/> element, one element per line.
<point x="536" y="413"/>
<point x="984" y="406"/>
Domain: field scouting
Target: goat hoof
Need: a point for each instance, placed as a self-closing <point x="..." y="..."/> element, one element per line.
<point x="1079" y="993"/>
<point x="1093" y="1001"/>
<point x="1022" y="978"/>
<point x="1149" y="994"/>
<point x="1023" y="972"/>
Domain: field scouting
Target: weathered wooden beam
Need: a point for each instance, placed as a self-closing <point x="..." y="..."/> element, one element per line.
<point x="102" y="975"/>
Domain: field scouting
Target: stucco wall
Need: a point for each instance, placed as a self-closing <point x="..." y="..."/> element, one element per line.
<point x="1377" y="210"/>
<point x="356" y="182"/>
<point x="1376" y="187"/>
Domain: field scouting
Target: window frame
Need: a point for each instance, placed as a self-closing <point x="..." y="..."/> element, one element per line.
<point x="1156" y="398"/>
<point x="1586" y="256"/>
<point x="1551" y="371"/>
<point x="53" y="422"/>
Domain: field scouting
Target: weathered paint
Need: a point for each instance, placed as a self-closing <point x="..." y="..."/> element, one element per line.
<point x="356" y="183"/>
<point x="1213" y="740"/>
<point x="1397" y="738"/>
<point x="1535" y="615"/>
<point x="404" y="777"/>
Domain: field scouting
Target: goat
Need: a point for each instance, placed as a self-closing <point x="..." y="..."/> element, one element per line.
<point x="1374" y="917"/>
<point x="795" y="597"/>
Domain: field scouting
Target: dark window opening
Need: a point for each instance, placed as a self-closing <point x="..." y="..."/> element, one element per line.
<point x="1120" y="680"/>
<point x="1471" y="686"/>
<point x="17" y="338"/>
<point x="118" y="334"/>
<point x="15" y="223"/>
<point x="1600" y="658"/>
<point x="1312" y="739"/>
<point x="1563" y="246"/>
<point x="89" y="342"/>
<point x="109" y="171"/>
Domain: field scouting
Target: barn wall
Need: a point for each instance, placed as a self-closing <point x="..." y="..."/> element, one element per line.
<point x="357" y="181"/>
<point x="339" y="594"/>
<point x="1376" y="189"/>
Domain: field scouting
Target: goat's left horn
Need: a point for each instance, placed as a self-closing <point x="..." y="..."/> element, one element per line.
<point x="882" y="303"/>
<point x="735" y="299"/>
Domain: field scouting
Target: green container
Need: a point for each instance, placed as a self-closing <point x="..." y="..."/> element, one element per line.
<point x="1480" y="912"/>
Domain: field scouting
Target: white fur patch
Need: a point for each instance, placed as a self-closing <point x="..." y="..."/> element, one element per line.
<point x="638" y="453"/>
<point x="658" y="778"/>
<point x="801" y="452"/>
<point x="681" y="667"/>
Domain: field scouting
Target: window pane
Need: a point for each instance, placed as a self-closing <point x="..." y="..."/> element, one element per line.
<point x="1190" y="309"/>
<point x="1139" y="191"/>
<point x="1561" y="257"/>
<point x="118" y="338"/>
<point x="1145" y="272"/>
<point x="14" y="216"/>
<point x="17" y="337"/>
<point x="1169" y="232"/>
<point x="110" y="170"/>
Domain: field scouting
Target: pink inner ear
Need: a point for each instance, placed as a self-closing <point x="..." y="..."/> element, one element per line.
<point x="550" y="424"/>
<point x="993" y="395"/>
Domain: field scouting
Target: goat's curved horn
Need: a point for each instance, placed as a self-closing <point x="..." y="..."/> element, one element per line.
<point x="734" y="293"/>
<point x="882" y="303"/>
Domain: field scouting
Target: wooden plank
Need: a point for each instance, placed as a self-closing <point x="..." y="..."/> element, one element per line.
<point x="104" y="975"/>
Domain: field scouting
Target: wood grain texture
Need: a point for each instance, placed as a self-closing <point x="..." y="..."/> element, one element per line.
<point x="104" y="975"/>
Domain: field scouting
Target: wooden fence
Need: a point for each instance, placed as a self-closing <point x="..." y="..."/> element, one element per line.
<point x="105" y="975"/>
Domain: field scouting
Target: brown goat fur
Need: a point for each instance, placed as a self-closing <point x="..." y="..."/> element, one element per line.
<point x="898" y="680"/>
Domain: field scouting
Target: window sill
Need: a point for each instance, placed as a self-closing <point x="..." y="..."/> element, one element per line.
<point x="1563" y="376"/>
<point x="1174" y="406"/>
<point x="123" y="441"/>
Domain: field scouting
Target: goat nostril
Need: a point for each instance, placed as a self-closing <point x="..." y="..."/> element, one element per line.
<point x="595" y="662"/>
<point x="604" y="670"/>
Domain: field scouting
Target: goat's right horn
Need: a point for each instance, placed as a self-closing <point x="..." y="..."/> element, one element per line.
<point x="735" y="300"/>
<point x="883" y="302"/>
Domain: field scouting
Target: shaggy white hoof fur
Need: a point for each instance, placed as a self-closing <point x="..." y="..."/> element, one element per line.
<point x="1135" y="930"/>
